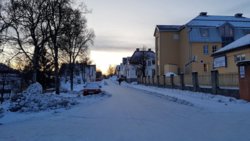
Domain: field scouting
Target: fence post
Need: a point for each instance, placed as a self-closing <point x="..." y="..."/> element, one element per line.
<point x="153" y="81"/>
<point x="148" y="80"/>
<point x="195" y="81"/>
<point x="214" y="81"/>
<point x="158" y="80"/>
<point x="164" y="81"/>
<point x="182" y="81"/>
<point x="172" y="80"/>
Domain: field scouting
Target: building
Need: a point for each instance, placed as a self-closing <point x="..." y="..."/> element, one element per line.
<point x="150" y="67"/>
<point x="187" y="48"/>
<point x="226" y="58"/>
<point x="144" y="61"/>
<point x="10" y="80"/>
<point x="141" y="62"/>
<point x="82" y="72"/>
<point x="126" y="70"/>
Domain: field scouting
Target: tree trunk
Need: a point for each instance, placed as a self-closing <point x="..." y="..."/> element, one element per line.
<point x="35" y="64"/>
<point x="71" y="76"/>
<point x="57" y="81"/>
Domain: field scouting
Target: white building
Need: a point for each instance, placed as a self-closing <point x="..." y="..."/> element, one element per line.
<point x="150" y="67"/>
<point x="82" y="73"/>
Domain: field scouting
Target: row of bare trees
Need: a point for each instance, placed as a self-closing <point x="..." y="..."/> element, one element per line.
<point x="40" y="30"/>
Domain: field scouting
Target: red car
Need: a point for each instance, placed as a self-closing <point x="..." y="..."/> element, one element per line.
<point x="91" y="88"/>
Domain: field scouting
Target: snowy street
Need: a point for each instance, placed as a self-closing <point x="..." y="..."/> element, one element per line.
<point x="130" y="114"/>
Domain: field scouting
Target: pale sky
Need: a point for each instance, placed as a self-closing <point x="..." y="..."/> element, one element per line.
<point x="121" y="26"/>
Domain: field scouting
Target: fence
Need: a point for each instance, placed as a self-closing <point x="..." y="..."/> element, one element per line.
<point x="224" y="84"/>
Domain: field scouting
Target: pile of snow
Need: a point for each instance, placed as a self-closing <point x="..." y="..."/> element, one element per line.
<point x="32" y="100"/>
<point x="199" y="99"/>
<point x="65" y="87"/>
<point x="1" y="112"/>
<point x="168" y="74"/>
<point x="113" y="78"/>
<point x="39" y="102"/>
<point x="35" y="88"/>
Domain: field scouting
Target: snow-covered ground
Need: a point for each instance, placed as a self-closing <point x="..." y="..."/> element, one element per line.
<point x="136" y="113"/>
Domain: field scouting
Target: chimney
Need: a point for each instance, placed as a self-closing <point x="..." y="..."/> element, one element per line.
<point x="203" y="14"/>
<point x="137" y="49"/>
<point x="238" y="15"/>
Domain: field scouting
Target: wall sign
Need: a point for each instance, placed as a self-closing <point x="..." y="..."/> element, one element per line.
<point x="242" y="71"/>
<point x="220" y="62"/>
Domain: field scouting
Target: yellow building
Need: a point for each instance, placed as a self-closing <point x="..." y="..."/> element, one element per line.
<point x="188" y="48"/>
<point x="226" y="58"/>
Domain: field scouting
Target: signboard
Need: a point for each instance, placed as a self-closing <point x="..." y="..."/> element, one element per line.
<point x="242" y="71"/>
<point x="220" y="62"/>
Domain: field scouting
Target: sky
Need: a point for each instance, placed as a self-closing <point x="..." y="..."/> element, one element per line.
<point x="121" y="26"/>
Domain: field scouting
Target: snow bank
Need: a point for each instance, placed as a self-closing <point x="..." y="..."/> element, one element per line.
<point x="168" y="74"/>
<point x="1" y="112"/>
<point x="41" y="102"/>
<point x="35" y="88"/>
<point x="32" y="100"/>
<point x="203" y="100"/>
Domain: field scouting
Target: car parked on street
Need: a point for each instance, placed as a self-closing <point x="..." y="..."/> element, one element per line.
<point x="92" y="88"/>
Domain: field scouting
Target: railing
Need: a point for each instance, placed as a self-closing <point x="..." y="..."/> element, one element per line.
<point x="177" y="80"/>
<point x="188" y="80"/>
<point x="224" y="80"/>
<point x="228" y="80"/>
<point x="204" y="80"/>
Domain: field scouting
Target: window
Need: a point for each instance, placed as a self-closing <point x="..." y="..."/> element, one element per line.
<point x="153" y="62"/>
<point x="205" y="50"/>
<point x="214" y="48"/>
<point x="238" y="58"/>
<point x="149" y="62"/>
<point x="204" y="32"/>
<point x="205" y="67"/>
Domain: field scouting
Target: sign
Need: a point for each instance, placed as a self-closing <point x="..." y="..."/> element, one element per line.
<point x="220" y="62"/>
<point x="242" y="71"/>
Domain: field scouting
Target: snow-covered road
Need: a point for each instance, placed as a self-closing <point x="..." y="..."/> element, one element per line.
<point x="132" y="115"/>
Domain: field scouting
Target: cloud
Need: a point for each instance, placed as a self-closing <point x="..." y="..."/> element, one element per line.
<point x="119" y="43"/>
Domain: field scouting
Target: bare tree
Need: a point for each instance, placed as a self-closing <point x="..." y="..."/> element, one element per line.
<point x="76" y="39"/>
<point x="56" y="15"/>
<point x="111" y="70"/>
<point x="27" y="28"/>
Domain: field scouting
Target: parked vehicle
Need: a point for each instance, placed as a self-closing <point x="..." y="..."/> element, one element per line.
<point x="92" y="88"/>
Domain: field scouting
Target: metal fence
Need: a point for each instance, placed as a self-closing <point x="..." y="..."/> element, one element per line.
<point x="229" y="80"/>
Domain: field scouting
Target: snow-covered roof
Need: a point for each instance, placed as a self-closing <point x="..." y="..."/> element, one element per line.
<point x="240" y="25"/>
<point x="140" y="55"/>
<point x="213" y="35"/>
<point x="242" y="42"/>
<point x="162" y="28"/>
<point x="168" y="27"/>
<point x="216" y="21"/>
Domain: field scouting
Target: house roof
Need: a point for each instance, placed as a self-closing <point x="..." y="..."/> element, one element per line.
<point x="216" y="21"/>
<point x="238" y="44"/>
<point x="173" y="28"/>
<point x="213" y="35"/>
<point x="212" y="23"/>
<point x="141" y="55"/>
<point x="6" y="69"/>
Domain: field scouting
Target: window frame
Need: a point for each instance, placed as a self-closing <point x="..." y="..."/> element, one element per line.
<point x="204" y="32"/>
<point x="205" y="50"/>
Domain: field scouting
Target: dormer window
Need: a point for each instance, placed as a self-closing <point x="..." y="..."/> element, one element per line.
<point x="204" y="32"/>
<point x="227" y="34"/>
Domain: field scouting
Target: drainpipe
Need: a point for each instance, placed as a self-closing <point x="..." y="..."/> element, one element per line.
<point x="190" y="51"/>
